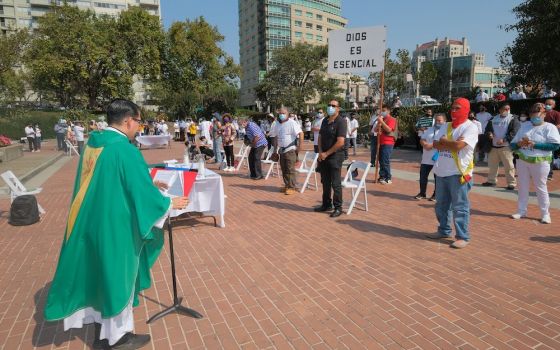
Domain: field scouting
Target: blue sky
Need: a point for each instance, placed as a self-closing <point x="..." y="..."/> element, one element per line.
<point x="409" y="22"/>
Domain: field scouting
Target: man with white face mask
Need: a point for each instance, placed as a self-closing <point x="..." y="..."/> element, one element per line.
<point x="288" y="137"/>
<point x="500" y="131"/>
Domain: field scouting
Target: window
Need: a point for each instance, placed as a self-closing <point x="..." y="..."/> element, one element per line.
<point x="298" y="23"/>
<point x="298" y="35"/>
<point x="308" y="25"/>
<point x="308" y="36"/>
<point x="299" y="13"/>
<point x="319" y="27"/>
<point x="319" y="38"/>
<point x="309" y="15"/>
<point x="320" y="17"/>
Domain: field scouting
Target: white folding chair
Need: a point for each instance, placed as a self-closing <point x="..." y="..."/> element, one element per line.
<point x="70" y="147"/>
<point x="271" y="163"/>
<point x="307" y="166"/>
<point x="18" y="189"/>
<point x="243" y="157"/>
<point x="357" y="185"/>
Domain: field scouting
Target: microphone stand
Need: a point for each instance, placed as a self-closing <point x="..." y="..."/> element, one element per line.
<point x="176" y="307"/>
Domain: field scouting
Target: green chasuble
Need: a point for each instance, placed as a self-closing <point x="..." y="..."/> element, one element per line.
<point x="110" y="243"/>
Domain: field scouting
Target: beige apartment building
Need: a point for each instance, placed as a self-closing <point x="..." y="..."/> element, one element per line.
<point x="267" y="25"/>
<point x="16" y="14"/>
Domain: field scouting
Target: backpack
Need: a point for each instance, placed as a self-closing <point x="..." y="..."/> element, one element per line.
<point x="24" y="211"/>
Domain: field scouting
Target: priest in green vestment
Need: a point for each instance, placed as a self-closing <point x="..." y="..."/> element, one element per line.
<point x="113" y="235"/>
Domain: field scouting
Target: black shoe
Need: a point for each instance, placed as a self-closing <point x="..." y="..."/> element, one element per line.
<point x="488" y="184"/>
<point x="322" y="208"/>
<point x="510" y="188"/>
<point x="549" y="178"/>
<point x="99" y="343"/>
<point x="336" y="213"/>
<point x="258" y="178"/>
<point x="132" y="341"/>
<point x="432" y="198"/>
<point x="420" y="196"/>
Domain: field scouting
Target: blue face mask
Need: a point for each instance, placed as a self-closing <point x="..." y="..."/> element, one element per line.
<point x="536" y="120"/>
<point x="282" y="116"/>
<point x="548" y="107"/>
<point x="331" y="111"/>
<point x="437" y="126"/>
<point x="320" y="115"/>
<point x="384" y="114"/>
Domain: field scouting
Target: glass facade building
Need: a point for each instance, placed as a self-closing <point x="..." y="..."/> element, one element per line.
<point x="268" y="25"/>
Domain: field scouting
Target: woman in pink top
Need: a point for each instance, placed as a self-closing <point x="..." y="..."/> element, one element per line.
<point x="228" y="136"/>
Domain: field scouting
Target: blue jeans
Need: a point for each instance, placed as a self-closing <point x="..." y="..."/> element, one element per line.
<point x="385" y="161"/>
<point x="452" y="203"/>
<point x="216" y="148"/>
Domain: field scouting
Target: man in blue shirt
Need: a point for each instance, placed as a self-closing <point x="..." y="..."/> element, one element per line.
<point x="258" y="143"/>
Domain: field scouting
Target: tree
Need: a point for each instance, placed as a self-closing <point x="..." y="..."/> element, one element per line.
<point x="532" y="58"/>
<point x="77" y="54"/>
<point x="12" y="82"/>
<point x="194" y="68"/>
<point x="395" y="74"/>
<point x="297" y="75"/>
<point x="426" y="74"/>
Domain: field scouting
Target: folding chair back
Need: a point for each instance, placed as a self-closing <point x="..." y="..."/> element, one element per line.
<point x="307" y="166"/>
<point x="272" y="164"/>
<point x="357" y="185"/>
<point x="17" y="188"/>
<point x="244" y="158"/>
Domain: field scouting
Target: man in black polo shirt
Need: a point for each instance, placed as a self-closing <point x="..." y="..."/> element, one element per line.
<point x="331" y="155"/>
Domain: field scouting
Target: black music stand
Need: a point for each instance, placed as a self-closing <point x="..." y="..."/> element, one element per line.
<point x="176" y="307"/>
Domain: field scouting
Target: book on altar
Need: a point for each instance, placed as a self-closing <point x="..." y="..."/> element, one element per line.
<point x="179" y="182"/>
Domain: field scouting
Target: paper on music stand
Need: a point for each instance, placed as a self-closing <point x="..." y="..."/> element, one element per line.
<point x="168" y="177"/>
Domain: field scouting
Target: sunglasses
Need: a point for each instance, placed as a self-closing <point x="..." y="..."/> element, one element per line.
<point x="333" y="106"/>
<point x="139" y="121"/>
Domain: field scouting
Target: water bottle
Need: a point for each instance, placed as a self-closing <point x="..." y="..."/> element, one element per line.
<point x="201" y="167"/>
<point x="186" y="158"/>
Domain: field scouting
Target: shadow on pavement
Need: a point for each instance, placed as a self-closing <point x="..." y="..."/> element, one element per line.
<point x="397" y="196"/>
<point x="371" y="227"/>
<point x="256" y="186"/>
<point x="473" y="211"/>
<point x="289" y="206"/>
<point x="546" y="239"/>
<point x="48" y="333"/>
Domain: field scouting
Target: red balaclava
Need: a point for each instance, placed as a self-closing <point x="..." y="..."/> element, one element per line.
<point x="460" y="116"/>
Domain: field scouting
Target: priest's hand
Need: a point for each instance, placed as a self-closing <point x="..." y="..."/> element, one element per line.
<point x="161" y="185"/>
<point x="179" y="202"/>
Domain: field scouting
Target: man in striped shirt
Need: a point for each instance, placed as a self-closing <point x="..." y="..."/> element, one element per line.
<point x="258" y="143"/>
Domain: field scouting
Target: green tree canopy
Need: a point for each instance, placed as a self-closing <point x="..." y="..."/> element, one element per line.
<point x="11" y="55"/>
<point x="297" y="75"/>
<point x="84" y="58"/>
<point x="533" y="56"/>
<point x="194" y="68"/>
<point x="395" y="74"/>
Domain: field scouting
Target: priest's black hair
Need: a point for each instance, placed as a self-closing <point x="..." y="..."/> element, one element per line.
<point x="119" y="109"/>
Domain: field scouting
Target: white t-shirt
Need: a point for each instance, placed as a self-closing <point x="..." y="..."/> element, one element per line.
<point x="164" y="128"/>
<point x="307" y="125"/>
<point x="29" y="132"/>
<point x="517" y="95"/>
<point x="286" y="133"/>
<point x="79" y="132"/>
<point x="354" y="124"/>
<point x="483" y="118"/>
<point x="37" y="132"/>
<point x="445" y="164"/>
<point x="317" y="124"/>
<point x="176" y="126"/>
<point x="428" y="136"/>
<point x="482" y="96"/>
<point x="544" y="133"/>
<point x="348" y="128"/>
<point x="479" y="126"/>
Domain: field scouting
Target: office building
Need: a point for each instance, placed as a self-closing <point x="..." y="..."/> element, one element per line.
<point x="463" y="70"/>
<point x="267" y="25"/>
<point x="16" y="14"/>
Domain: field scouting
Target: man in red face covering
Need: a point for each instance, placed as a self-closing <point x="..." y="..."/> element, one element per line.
<point x="453" y="168"/>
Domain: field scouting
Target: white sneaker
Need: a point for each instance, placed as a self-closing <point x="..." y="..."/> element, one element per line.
<point x="517" y="216"/>
<point x="546" y="219"/>
<point x="389" y="182"/>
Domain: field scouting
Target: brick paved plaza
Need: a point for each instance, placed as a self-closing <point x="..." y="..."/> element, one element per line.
<point x="280" y="276"/>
